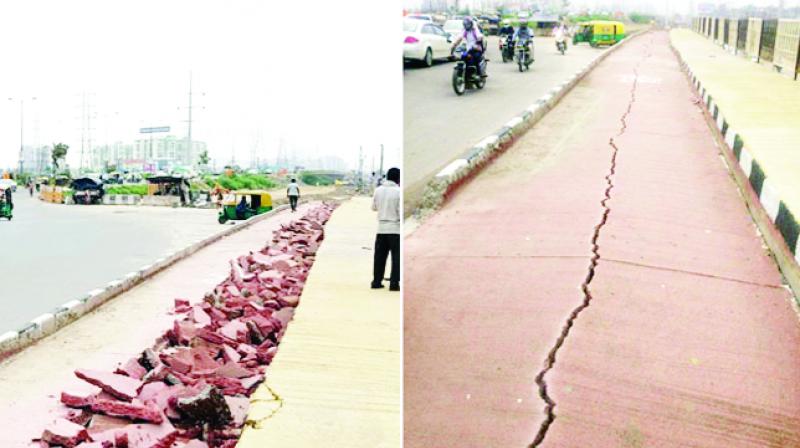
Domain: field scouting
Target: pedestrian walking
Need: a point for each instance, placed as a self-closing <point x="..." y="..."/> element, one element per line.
<point x="386" y="202"/>
<point x="293" y="192"/>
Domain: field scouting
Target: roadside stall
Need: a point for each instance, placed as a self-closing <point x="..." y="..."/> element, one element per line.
<point x="87" y="191"/>
<point x="167" y="191"/>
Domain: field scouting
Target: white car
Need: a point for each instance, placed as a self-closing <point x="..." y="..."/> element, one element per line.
<point x="454" y="28"/>
<point x="425" y="41"/>
<point x="9" y="183"/>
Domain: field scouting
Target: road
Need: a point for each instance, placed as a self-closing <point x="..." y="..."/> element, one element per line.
<point x="52" y="254"/>
<point x="601" y="284"/>
<point x="439" y="126"/>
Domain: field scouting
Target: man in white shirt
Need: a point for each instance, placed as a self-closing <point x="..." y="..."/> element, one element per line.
<point x="386" y="202"/>
<point x="293" y="191"/>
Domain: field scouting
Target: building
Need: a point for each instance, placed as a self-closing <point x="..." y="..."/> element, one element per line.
<point x="37" y="159"/>
<point x="162" y="153"/>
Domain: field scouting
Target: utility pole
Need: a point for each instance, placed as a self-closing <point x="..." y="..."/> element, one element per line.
<point x="360" y="182"/>
<point x="189" y="133"/>
<point x="190" y="155"/>
<point x="380" y="173"/>
<point x="21" y="132"/>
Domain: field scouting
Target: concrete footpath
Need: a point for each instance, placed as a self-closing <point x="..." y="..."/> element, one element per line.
<point x="31" y="381"/>
<point x="336" y="378"/>
<point x="601" y="284"/>
<point x="763" y="108"/>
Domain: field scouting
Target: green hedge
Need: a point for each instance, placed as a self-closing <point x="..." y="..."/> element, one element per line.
<point x="138" y="189"/>
<point x="241" y="182"/>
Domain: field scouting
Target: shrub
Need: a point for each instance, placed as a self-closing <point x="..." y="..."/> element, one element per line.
<point x="136" y="189"/>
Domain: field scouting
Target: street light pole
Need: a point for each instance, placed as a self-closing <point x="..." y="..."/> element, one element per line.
<point x="21" y="133"/>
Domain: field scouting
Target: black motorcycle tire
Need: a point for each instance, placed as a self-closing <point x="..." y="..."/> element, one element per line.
<point x="520" y="62"/>
<point x="459" y="83"/>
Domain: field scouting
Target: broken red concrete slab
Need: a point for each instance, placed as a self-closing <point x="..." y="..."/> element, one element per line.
<point x="200" y="372"/>
<point x="134" y="410"/>
<point x="79" y="395"/>
<point x="120" y="386"/>
<point x="64" y="433"/>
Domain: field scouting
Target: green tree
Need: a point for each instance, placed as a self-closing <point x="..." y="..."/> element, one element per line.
<point x="203" y="158"/>
<point x="59" y="152"/>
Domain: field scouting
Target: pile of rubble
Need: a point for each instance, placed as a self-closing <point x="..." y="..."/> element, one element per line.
<point x="191" y="388"/>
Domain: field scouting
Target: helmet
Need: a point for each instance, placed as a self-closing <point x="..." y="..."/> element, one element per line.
<point x="506" y="22"/>
<point x="523" y="21"/>
<point x="467" y="24"/>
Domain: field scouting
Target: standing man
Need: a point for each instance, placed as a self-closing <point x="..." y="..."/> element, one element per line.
<point x="293" y="192"/>
<point x="387" y="203"/>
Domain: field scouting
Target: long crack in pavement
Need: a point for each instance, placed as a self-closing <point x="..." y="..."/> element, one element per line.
<point x="587" y="294"/>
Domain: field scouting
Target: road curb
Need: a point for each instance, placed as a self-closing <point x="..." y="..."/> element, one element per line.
<point x="777" y="224"/>
<point x="48" y="323"/>
<point x="471" y="162"/>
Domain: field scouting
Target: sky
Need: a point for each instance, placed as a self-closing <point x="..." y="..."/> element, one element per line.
<point x="323" y="77"/>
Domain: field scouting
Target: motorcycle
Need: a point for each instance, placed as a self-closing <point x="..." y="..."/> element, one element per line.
<point x="524" y="54"/>
<point x="466" y="74"/>
<point x="561" y="45"/>
<point x="507" y="48"/>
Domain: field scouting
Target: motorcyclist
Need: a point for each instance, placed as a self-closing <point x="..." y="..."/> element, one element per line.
<point x="524" y="34"/>
<point x="506" y="29"/>
<point x="560" y="33"/>
<point x="475" y="44"/>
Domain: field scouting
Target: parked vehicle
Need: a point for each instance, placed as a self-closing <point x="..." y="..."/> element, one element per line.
<point x="599" y="32"/>
<point x="524" y="54"/>
<point x="256" y="202"/>
<point x="425" y="41"/>
<point x="9" y="183"/>
<point x="6" y="203"/>
<point x="86" y="190"/>
<point x="466" y="74"/>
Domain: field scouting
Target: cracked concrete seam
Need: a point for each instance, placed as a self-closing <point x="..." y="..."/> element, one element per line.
<point x="594" y="260"/>
<point x="258" y="422"/>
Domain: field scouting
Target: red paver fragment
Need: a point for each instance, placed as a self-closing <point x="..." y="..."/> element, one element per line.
<point x="65" y="433"/>
<point x="120" y="386"/>
<point x="135" y="410"/>
<point x="200" y="372"/>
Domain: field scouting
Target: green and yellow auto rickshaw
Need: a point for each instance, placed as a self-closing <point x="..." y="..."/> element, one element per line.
<point x="6" y="203"/>
<point x="599" y="32"/>
<point x="244" y="204"/>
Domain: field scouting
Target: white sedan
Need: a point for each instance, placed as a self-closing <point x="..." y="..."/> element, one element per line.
<point x="8" y="183"/>
<point x="425" y="41"/>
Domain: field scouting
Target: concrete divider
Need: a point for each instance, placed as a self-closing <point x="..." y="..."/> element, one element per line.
<point x="777" y="224"/>
<point x="49" y="323"/>
<point x="458" y="171"/>
<point x="122" y="199"/>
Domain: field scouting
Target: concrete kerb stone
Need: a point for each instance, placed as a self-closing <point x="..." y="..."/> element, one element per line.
<point x="48" y="323"/>
<point x="473" y="160"/>
<point x="779" y="227"/>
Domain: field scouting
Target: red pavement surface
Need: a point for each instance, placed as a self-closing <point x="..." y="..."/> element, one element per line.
<point x="689" y="339"/>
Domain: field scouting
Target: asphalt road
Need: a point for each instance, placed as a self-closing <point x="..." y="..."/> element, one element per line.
<point x="52" y="254"/>
<point x="439" y="126"/>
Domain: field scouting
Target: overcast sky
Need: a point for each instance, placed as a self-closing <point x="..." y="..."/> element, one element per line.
<point x="323" y="76"/>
